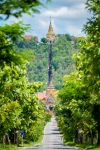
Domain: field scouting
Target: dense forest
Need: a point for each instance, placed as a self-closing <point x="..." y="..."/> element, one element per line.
<point x="63" y="63"/>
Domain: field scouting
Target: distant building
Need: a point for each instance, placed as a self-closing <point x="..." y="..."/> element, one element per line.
<point x="48" y="96"/>
<point x="30" y="37"/>
<point x="51" y="93"/>
<point x="42" y="96"/>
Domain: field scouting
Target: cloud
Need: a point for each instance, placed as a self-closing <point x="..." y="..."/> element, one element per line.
<point x="74" y="30"/>
<point x="66" y="3"/>
<point x="44" y="23"/>
<point x="66" y="12"/>
<point x="68" y="16"/>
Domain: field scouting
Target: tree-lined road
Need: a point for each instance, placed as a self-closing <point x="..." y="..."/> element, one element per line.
<point x="52" y="139"/>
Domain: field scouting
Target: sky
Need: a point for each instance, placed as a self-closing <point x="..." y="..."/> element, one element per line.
<point x="68" y="16"/>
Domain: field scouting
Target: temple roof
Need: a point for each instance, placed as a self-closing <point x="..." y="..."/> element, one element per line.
<point x="28" y="37"/>
<point x="42" y="95"/>
<point x="50" y="34"/>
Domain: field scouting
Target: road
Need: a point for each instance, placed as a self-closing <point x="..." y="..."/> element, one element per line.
<point x="52" y="139"/>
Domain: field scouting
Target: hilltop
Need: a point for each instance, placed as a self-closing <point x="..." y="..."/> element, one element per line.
<point x="64" y="47"/>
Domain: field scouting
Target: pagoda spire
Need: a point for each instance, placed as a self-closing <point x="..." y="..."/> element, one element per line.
<point x="50" y="34"/>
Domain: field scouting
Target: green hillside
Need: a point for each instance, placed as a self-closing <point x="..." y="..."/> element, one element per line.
<point x="37" y="54"/>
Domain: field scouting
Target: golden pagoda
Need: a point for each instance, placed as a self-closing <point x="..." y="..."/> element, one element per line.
<point x="50" y="34"/>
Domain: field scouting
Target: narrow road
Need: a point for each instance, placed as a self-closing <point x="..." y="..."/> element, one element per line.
<point x="52" y="139"/>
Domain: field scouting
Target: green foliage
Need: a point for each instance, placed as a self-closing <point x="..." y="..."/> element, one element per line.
<point x="73" y="109"/>
<point x="91" y="60"/>
<point x="14" y="31"/>
<point x="8" y="147"/>
<point x="8" y="36"/>
<point x="27" y="54"/>
<point x="78" y="110"/>
<point x="19" y="107"/>
<point x="44" y="40"/>
<point x="17" y="8"/>
<point x="62" y="62"/>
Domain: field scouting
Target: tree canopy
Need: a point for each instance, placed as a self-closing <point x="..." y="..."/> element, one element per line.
<point x="17" y="8"/>
<point x="19" y="106"/>
<point x="78" y="110"/>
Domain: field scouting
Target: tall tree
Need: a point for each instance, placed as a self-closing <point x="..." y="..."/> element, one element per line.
<point x="89" y="62"/>
<point x="19" y="107"/>
<point x="84" y="98"/>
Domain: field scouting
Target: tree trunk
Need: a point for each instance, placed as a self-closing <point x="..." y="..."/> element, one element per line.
<point x="81" y="139"/>
<point x="6" y="139"/>
<point x="76" y="136"/>
<point x="91" y="133"/>
<point x="16" y="141"/>
<point x="98" y="142"/>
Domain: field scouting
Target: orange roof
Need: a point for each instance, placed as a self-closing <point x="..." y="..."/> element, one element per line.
<point x="28" y="37"/>
<point x="42" y="95"/>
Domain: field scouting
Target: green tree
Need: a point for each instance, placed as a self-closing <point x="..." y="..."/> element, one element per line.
<point x="74" y="111"/>
<point x="17" y="8"/>
<point x="89" y="59"/>
<point x="81" y="99"/>
<point x="19" y="107"/>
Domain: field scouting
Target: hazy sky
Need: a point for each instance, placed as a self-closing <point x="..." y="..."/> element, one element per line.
<point x="68" y="16"/>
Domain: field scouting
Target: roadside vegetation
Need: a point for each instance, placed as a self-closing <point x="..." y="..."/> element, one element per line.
<point x="22" y="115"/>
<point x="78" y="105"/>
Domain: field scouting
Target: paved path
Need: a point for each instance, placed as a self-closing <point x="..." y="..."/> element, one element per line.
<point x="52" y="139"/>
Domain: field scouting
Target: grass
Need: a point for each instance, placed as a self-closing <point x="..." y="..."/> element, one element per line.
<point x="98" y="148"/>
<point x="84" y="146"/>
<point x="14" y="147"/>
<point x="28" y="144"/>
<point x="8" y="147"/>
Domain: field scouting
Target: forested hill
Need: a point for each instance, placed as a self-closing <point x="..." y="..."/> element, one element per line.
<point x="37" y="54"/>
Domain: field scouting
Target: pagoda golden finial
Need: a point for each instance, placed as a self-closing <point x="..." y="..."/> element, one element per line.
<point x="50" y="34"/>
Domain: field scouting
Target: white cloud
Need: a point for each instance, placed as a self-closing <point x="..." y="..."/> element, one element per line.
<point x="74" y="30"/>
<point x="68" y="16"/>
<point x="43" y="23"/>
<point x="56" y="12"/>
<point x="68" y="12"/>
